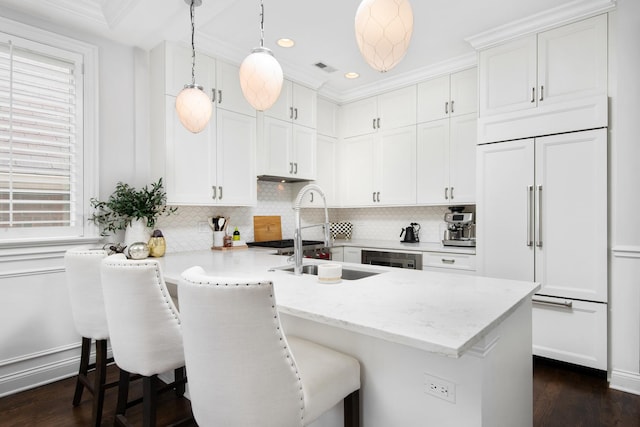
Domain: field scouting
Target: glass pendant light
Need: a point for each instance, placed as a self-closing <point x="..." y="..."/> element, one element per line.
<point x="261" y="74"/>
<point x="192" y="104"/>
<point x="383" y="32"/>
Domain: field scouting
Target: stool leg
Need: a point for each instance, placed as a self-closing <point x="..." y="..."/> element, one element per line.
<point x="179" y="380"/>
<point x="100" y="379"/>
<point x="123" y="392"/>
<point x="352" y="409"/>
<point x="149" y="400"/>
<point x="82" y="371"/>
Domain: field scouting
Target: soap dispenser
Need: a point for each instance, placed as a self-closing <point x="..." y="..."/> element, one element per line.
<point x="236" y="234"/>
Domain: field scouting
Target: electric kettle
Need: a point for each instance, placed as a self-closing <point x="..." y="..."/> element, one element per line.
<point x="411" y="233"/>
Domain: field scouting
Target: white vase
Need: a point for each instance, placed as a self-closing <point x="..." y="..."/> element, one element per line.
<point x="137" y="231"/>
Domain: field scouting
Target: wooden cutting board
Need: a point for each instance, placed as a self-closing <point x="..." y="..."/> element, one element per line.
<point x="267" y="228"/>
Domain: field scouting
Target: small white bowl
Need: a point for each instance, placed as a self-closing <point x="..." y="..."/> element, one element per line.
<point x="330" y="273"/>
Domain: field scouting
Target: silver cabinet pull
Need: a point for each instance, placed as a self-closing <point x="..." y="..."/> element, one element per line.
<point x="295" y="168"/>
<point x="213" y="187"/>
<point x="220" y="195"/>
<point x="290" y="167"/>
<point x="566" y="304"/>
<point x="451" y="106"/>
<point x="291" y="112"/>
<point x="378" y="123"/>
<point x="374" y="123"/>
<point x="311" y="197"/>
<point x="539" y="218"/>
<point x="541" y="93"/>
<point x="452" y="187"/>
<point x="529" y="215"/>
<point x="373" y="196"/>
<point x="219" y="96"/>
<point x="446" y="107"/>
<point x="296" y="114"/>
<point x="213" y="95"/>
<point x="533" y="94"/>
<point x="378" y="197"/>
<point x="446" y="193"/>
<point x="448" y="261"/>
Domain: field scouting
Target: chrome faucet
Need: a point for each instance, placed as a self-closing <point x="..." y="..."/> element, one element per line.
<point x="297" y="235"/>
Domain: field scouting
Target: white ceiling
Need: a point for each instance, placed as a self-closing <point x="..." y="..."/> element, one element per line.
<point x="323" y="31"/>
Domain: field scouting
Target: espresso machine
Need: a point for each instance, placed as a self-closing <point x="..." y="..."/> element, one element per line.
<point x="461" y="229"/>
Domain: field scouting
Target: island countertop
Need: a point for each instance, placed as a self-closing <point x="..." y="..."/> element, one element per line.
<point x="440" y="313"/>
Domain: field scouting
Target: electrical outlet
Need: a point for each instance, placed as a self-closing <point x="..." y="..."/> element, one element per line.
<point x="203" y="227"/>
<point x="440" y="388"/>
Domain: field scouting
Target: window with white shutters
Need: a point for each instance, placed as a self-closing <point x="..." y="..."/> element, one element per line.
<point x="41" y="140"/>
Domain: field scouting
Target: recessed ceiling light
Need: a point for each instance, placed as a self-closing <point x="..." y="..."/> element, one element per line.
<point x="352" y="75"/>
<point x="285" y="42"/>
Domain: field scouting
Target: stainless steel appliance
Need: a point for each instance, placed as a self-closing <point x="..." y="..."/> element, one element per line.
<point x="310" y="248"/>
<point x="393" y="259"/>
<point x="460" y="228"/>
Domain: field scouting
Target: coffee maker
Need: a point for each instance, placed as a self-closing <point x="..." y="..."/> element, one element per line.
<point x="461" y="229"/>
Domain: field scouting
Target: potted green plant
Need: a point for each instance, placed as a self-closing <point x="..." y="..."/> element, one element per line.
<point x="127" y="206"/>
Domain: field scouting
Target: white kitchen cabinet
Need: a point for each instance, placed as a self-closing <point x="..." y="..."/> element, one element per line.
<point x="379" y="169"/>
<point x="383" y="112"/>
<point x="542" y="216"/>
<point x="228" y="93"/>
<point x="296" y="104"/>
<point x="327" y="123"/>
<point x="287" y="150"/>
<point x="337" y="254"/>
<point x="213" y="167"/>
<point x="446" y="262"/>
<point x="446" y="161"/>
<point x="353" y="254"/>
<point x="448" y="96"/>
<point x="551" y="82"/>
<point x="327" y="169"/>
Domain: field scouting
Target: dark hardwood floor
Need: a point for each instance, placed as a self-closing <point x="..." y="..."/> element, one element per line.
<point x="563" y="396"/>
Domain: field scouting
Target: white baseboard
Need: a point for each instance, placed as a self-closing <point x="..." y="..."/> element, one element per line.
<point x="625" y="381"/>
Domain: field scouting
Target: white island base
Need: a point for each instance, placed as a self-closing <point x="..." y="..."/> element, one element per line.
<point x="492" y="381"/>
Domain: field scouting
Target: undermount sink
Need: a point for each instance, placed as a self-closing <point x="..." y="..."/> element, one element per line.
<point x="347" y="273"/>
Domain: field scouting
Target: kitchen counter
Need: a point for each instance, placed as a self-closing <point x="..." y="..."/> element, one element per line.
<point x="439" y="313"/>
<point x="397" y="245"/>
<point x="434" y="348"/>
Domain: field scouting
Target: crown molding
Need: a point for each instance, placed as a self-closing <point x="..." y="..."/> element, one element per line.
<point x="401" y="80"/>
<point x="115" y="10"/>
<point x="573" y="11"/>
<point x="86" y="9"/>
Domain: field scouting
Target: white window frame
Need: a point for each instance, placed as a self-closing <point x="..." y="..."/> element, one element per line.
<point x="88" y="136"/>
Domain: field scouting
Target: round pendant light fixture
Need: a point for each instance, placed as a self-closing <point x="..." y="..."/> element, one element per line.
<point x="383" y="31"/>
<point x="193" y="106"/>
<point x="260" y="74"/>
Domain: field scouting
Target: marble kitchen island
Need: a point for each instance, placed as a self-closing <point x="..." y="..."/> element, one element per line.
<point x="435" y="349"/>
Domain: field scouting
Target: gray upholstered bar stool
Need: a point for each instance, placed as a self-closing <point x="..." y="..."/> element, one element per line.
<point x="82" y="269"/>
<point x="243" y="370"/>
<point x="145" y="331"/>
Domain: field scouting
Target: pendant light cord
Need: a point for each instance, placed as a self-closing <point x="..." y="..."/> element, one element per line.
<point x="193" y="45"/>
<point x="261" y="24"/>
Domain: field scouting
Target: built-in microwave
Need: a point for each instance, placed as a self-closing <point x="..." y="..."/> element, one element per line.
<point x="410" y="260"/>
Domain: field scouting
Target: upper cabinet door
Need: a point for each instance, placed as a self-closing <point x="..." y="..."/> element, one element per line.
<point x="304" y="103"/>
<point x="327" y="123"/>
<point x="397" y="108"/>
<point x="177" y="63"/>
<point x="433" y="99"/>
<point x="359" y="117"/>
<point x="464" y="92"/>
<point x="508" y="77"/>
<point x="572" y="61"/>
<point x="281" y="108"/>
<point x="229" y="94"/>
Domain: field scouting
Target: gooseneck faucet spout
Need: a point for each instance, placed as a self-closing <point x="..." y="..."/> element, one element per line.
<point x="297" y="236"/>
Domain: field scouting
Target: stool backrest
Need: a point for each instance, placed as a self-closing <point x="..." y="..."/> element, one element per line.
<point x="82" y="269"/>
<point x="144" y="323"/>
<point x="240" y="369"/>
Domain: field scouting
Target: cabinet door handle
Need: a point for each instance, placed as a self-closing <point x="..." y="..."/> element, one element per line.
<point x="451" y="106"/>
<point x="213" y="95"/>
<point x="373" y="196"/>
<point x="378" y="197"/>
<point x="446" y="193"/>
<point x="452" y="187"/>
<point x="219" y="96"/>
<point x="567" y="304"/>
<point x="448" y="261"/>
<point x="446" y="107"/>
<point x="290" y="167"/>
<point x="213" y="187"/>
<point x="374" y="123"/>
<point x="295" y="168"/>
<point x="291" y="112"/>
<point x="539" y="218"/>
<point x="220" y="195"/>
<point x="541" y="93"/>
<point x="296" y="114"/>
<point x="312" y="197"/>
<point x="378" y="123"/>
<point x="533" y="94"/>
<point x="529" y="215"/>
